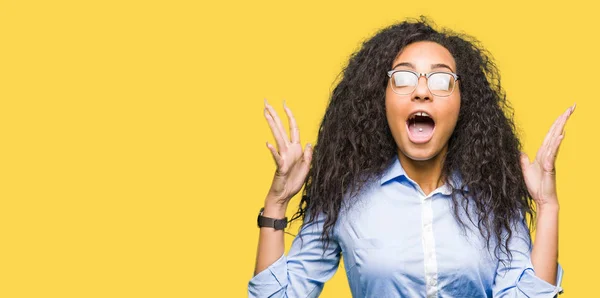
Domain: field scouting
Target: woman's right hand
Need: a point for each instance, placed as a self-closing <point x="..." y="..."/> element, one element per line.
<point x="292" y="163"/>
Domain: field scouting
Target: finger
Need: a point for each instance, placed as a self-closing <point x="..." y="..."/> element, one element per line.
<point x="555" y="127"/>
<point x="546" y="140"/>
<point x="275" y="154"/>
<point x="563" y="122"/>
<point x="294" y="130"/>
<point x="276" y="133"/>
<point x="277" y="120"/>
<point x="553" y="153"/>
<point x="558" y="134"/>
<point x="550" y="136"/>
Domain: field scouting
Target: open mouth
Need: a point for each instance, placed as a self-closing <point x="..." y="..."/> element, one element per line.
<point x="420" y="126"/>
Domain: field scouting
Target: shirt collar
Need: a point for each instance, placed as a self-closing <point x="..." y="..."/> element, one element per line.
<point x="395" y="170"/>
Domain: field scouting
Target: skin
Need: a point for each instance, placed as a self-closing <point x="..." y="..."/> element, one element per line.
<point x="292" y="167"/>
<point x="422" y="162"/>
<point x="540" y="177"/>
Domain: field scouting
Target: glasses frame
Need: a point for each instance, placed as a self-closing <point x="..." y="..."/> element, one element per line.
<point x="426" y="75"/>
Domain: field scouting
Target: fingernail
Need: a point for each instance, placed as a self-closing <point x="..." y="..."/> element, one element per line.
<point x="284" y="105"/>
<point x="573" y="108"/>
<point x="266" y="103"/>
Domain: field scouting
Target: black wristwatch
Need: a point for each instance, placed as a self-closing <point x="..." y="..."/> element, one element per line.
<point x="277" y="224"/>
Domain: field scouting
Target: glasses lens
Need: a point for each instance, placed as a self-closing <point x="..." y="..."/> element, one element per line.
<point x="404" y="82"/>
<point x="441" y="84"/>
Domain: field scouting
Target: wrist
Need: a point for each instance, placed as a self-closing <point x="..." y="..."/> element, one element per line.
<point x="274" y="210"/>
<point x="548" y="208"/>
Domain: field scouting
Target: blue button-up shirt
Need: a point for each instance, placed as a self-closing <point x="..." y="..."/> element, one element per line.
<point x="399" y="242"/>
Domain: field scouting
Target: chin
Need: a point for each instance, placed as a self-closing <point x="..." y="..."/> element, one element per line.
<point x="419" y="154"/>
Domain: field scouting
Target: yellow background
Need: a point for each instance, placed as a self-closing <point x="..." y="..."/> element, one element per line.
<point x="132" y="139"/>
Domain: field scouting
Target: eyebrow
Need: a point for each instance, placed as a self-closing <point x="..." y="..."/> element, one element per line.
<point x="437" y="65"/>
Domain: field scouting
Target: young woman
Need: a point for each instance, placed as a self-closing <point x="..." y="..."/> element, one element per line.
<point x="417" y="179"/>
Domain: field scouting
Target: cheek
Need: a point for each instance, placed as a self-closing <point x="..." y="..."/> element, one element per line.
<point x="395" y="110"/>
<point x="450" y="114"/>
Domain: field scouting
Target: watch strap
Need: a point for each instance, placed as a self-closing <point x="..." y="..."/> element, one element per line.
<point x="277" y="224"/>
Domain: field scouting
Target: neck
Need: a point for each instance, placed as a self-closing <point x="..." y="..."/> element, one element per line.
<point x="426" y="173"/>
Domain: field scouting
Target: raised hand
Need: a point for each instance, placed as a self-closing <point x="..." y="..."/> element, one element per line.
<point x="540" y="175"/>
<point x="292" y="163"/>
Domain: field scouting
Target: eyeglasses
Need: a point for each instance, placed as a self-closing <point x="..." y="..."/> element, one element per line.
<point x="440" y="83"/>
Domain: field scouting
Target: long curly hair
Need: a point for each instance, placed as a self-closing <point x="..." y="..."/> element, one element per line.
<point x="355" y="145"/>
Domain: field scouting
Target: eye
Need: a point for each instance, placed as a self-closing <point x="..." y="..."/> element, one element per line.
<point x="405" y="79"/>
<point x="440" y="81"/>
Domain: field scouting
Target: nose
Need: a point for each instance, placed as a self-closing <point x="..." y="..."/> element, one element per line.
<point x="422" y="91"/>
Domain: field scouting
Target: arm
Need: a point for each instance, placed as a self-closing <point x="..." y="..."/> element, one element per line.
<point x="540" y="177"/>
<point x="304" y="271"/>
<point x="292" y="168"/>
<point x="545" y="250"/>
<point x="518" y="277"/>
<point x="535" y="271"/>
<point x="270" y="241"/>
<point x="306" y="268"/>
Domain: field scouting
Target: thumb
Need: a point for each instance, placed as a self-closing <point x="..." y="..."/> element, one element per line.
<point x="306" y="158"/>
<point x="308" y="151"/>
<point x="524" y="161"/>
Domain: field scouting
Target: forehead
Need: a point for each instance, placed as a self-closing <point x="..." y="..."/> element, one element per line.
<point x="423" y="54"/>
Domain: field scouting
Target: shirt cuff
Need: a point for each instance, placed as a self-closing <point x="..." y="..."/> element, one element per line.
<point x="270" y="280"/>
<point x="533" y="286"/>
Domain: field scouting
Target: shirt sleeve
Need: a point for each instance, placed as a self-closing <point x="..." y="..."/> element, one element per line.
<point x="304" y="271"/>
<point x="517" y="278"/>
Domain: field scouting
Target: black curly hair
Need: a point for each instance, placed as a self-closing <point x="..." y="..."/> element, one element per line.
<point x="355" y="145"/>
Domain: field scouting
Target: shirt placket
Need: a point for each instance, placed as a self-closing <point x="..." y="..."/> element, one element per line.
<point x="428" y="240"/>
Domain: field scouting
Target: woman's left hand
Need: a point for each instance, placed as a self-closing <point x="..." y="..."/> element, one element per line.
<point x="540" y="175"/>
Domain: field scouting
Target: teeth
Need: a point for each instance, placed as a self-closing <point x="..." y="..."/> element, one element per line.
<point x="419" y="114"/>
